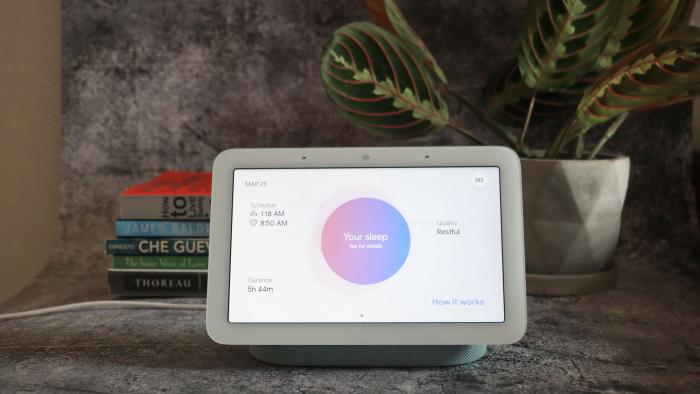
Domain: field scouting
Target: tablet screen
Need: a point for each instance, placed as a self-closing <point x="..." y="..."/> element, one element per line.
<point x="364" y="245"/>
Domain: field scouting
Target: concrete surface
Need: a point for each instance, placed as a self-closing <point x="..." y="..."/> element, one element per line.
<point x="640" y="337"/>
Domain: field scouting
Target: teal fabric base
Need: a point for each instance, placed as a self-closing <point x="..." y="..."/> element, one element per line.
<point x="368" y="355"/>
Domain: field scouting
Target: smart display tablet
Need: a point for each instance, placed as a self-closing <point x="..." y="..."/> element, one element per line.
<point x="366" y="246"/>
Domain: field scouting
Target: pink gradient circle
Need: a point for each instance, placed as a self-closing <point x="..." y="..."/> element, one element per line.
<point x="365" y="241"/>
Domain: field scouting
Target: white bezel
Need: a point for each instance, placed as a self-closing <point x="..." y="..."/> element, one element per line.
<point x="224" y="332"/>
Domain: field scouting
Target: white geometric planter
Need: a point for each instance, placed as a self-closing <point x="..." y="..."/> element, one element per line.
<point x="572" y="212"/>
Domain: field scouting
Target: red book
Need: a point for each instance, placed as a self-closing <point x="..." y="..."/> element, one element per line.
<point x="171" y="195"/>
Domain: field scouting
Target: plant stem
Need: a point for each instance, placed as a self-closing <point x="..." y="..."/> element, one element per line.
<point x="609" y="133"/>
<point x="564" y="137"/>
<point x="523" y="150"/>
<point x="467" y="133"/>
<point x="578" y="148"/>
<point x="521" y="141"/>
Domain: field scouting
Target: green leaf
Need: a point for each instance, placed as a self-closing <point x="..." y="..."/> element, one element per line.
<point x="663" y="72"/>
<point x="376" y="83"/>
<point x="506" y="99"/>
<point x="641" y="21"/>
<point x="562" y="39"/>
<point x="387" y="14"/>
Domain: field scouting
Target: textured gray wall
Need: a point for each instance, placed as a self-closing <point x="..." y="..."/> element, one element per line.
<point x="154" y="85"/>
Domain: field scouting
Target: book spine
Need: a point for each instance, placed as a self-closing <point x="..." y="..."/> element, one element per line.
<point x="158" y="283"/>
<point x="161" y="228"/>
<point x="161" y="262"/>
<point x="165" y="207"/>
<point x="158" y="246"/>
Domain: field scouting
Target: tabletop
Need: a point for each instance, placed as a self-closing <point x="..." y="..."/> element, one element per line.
<point x="643" y="336"/>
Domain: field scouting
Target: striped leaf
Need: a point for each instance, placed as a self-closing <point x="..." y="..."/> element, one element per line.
<point x="377" y="83"/>
<point x="642" y="21"/>
<point x="661" y="73"/>
<point x="387" y="14"/>
<point x="506" y="99"/>
<point x="562" y="39"/>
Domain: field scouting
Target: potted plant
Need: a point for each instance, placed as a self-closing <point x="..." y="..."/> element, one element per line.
<point x="593" y="61"/>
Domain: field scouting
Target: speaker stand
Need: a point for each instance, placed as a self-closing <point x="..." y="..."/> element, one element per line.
<point x="368" y="355"/>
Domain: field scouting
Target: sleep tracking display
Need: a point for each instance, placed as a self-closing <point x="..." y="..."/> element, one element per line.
<point x="344" y="245"/>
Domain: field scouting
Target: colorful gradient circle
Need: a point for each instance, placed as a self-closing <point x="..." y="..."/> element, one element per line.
<point x="365" y="241"/>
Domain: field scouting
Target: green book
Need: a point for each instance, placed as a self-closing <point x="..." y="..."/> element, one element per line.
<point x="161" y="262"/>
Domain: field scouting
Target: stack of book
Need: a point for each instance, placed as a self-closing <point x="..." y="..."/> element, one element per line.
<point x="162" y="246"/>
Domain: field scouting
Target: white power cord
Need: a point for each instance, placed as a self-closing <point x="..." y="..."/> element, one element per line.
<point x="101" y="304"/>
